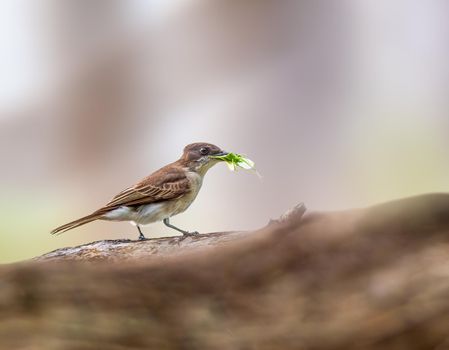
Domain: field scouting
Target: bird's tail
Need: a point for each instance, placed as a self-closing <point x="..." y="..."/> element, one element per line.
<point x="82" y="221"/>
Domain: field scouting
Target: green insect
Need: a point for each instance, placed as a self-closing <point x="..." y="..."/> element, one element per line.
<point x="234" y="161"/>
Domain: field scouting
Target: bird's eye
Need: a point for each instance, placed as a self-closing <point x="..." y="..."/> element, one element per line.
<point x="204" y="151"/>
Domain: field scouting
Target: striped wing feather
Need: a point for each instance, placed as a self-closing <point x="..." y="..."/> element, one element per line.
<point x="152" y="189"/>
<point x="162" y="185"/>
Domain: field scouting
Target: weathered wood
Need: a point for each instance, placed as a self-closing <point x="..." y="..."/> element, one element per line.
<point x="125" y="249"/>
<point x="373" y="278"/>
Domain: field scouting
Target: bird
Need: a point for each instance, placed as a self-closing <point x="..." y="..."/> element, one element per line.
<point x="165" y="193"/>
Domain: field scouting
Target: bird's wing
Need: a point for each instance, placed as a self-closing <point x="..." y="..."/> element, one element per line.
<point x="152" y="189"/>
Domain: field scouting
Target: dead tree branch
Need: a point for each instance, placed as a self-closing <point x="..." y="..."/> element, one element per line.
<point x="372" y="278"/>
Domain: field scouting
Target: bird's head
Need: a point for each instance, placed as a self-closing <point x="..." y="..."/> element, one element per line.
<point x="197" y="156"/>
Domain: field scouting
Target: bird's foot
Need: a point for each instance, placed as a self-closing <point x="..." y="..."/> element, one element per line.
<point x="190" y="234"/>
<point x="142" y="238"/>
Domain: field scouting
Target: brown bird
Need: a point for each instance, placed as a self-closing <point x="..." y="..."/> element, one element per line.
<point x="161" y="195"/>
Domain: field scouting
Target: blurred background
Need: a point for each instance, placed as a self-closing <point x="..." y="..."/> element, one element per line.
<point x="340" y="104"/>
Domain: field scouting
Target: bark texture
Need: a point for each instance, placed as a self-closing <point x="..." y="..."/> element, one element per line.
<point x="372" y="278"/>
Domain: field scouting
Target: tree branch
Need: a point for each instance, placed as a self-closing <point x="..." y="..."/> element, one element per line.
<point x="371" y="278"/>
<point x="126" y="249"/>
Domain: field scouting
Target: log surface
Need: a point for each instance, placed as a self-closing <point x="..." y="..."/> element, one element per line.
<point x="371" y="278"/>
<point x="126" y="249"/>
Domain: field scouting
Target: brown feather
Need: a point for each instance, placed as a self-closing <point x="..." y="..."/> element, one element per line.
<point x="76" y="223"/>
<point x="167" y="183"/>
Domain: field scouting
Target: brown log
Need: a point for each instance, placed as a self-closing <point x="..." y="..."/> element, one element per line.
<point x="372" y="278"/>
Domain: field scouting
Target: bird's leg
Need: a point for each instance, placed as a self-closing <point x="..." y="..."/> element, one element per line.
<point x="185" y="233"/>
<point x="141" y="236"/>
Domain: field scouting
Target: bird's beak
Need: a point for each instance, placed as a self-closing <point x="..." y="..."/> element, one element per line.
<point x="222" y="153"/>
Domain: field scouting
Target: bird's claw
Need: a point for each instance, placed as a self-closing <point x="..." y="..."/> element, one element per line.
<point x="190" y="234"/>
